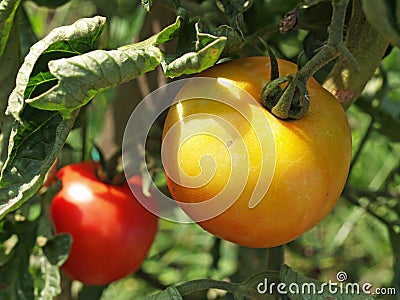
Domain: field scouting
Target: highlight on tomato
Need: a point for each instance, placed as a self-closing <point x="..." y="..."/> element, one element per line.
<point x="112" y="232"/>
<point x="218" y="148"/>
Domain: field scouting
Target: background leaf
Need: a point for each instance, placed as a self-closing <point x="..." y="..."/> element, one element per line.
<point x="34" y="146"/>
<point x="15" y="280"/>
<point x="386" y="114"/>
<point x="57" y="248"/>
<point x="384" y="16"/>
<point x="81" y="77"/>
<point x="51" y="256"/>
<point x="38" y="136"/>
<point x="8" y="11"/>
<point x="315" y="19"/>
<point x="64" y="41"/>
<point x="206" y="52"/>
<point x="56" y="81"/>
<point x="9" y="62"/>
<point x="47" y="283"/>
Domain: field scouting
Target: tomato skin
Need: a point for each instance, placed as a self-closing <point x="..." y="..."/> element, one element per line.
<point x="111" y="231"/>
<point x="312" y="160"/>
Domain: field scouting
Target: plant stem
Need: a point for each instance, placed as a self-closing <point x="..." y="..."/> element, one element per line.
<point x="293" y="102"/>
<point x="334" y="46"/>
<point x="276" y="258"/>
<point x="352" y="197"/>
<point x="337" y="21"/>
<point x="367" y="47"/>
<point x="151" y="280"/>
<point x="91" y="292"/>
<point x="247" y="288"/>
<point x="324" y="56"/>
<point x="190" y="287"/>
<point x="84" y="129"/>
<point x="362" y="144"/>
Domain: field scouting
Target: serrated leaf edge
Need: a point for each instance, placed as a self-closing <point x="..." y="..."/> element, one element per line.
<point x="16" y="100"/>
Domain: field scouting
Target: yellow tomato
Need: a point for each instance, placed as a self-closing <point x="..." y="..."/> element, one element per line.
<point x="233" y="151"/>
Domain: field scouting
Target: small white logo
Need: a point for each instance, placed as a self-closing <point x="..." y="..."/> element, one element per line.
<point x="341" y="276"/>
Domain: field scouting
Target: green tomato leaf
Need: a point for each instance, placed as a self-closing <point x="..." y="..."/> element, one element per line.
<point x="194" y="62"/>
<point x="34" y="145"/>
<point x="165" y="35"/>
<point x="56" y="79"/>
<point x="57" y="249"/>
<point x="205" y="53"/>
<point x="235" y="40"/>
<point x="234" y="10"/>
<point x="315" y="18"/>
<point x="8" y="10"/>
<point x="384" y="15"/>
<point x="9" y="62"/>
<point x="94" y="292"/>
<point x="47" y="280"/>
<point x="64" y="41"/>
<point x="81" y="77"/>
<point x="386" y="114"/>
<point x="52" y="255"/>
<point x="40" y="82"/>
<point x="299" y="287"/>
<point x="15" y="279"/>
<point x="38" y="136"/>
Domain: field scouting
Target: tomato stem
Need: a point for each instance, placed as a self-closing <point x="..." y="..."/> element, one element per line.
<point x="108" y="171"/>
<point x="293" y="102"/>
<point x="276" y="257"/>
<point x="204" y="284"/>
<point x="367" y="47"/>
<point x="248" y="288"/>
<point x="334" y="46"/>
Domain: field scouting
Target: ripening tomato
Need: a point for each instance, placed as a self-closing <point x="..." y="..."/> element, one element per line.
<point x="307" y="160"/>
<point x="111" y="231"/>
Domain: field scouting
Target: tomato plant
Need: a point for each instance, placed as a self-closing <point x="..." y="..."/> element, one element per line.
<point x="111" y="231"/>
<point x="312" y="156"/>
<point x="72" y="73"/>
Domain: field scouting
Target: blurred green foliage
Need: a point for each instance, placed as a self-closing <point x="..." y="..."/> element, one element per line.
<point x="354" y="237"/>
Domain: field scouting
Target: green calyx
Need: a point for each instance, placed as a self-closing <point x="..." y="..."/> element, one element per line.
<point x="288" y="103"/>
<point x="287" y="97"/>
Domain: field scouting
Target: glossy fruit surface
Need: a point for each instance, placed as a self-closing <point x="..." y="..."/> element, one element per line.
<point x="307" y="160"/>
<point x="111" y="231"/>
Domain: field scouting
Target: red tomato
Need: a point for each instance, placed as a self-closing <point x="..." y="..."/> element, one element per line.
<point x="112" y="232"/>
